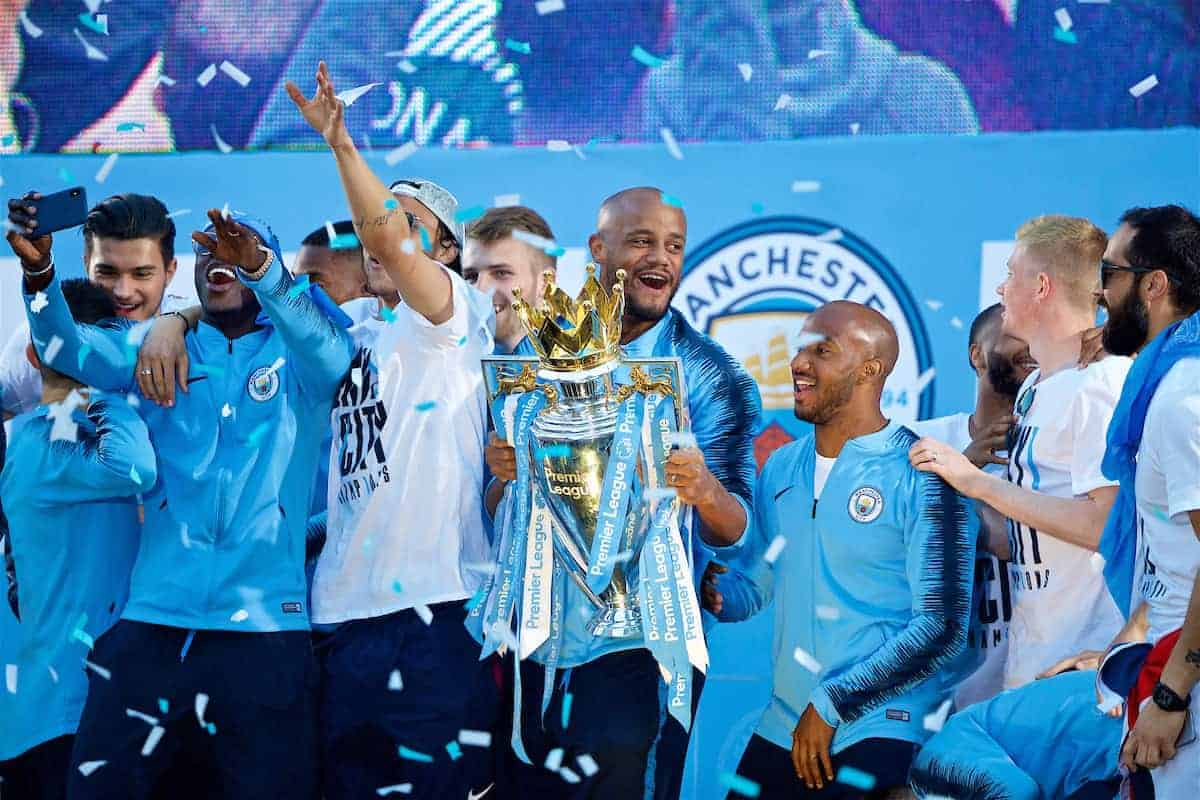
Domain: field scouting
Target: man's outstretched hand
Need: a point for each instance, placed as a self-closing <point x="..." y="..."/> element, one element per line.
<point x="22" y="217"/>
<point x="324" y="112"/>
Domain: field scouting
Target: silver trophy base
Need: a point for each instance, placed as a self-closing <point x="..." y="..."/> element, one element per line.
<point x="616" y="622"/>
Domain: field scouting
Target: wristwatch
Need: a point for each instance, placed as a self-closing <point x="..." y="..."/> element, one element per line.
<point x="1165" y="698"/>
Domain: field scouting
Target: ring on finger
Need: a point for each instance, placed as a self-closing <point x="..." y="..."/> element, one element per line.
<point x="145" y="371"/>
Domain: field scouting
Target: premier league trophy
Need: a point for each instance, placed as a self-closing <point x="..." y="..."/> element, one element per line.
<point x="592" y="431"/>
<point x="578" y="439"/>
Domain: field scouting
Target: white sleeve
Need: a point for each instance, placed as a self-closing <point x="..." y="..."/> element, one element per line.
<point x="1177" y="447"/>
<point x="1091" y="412"/>
<point x="20" y="383"/>
<point x="471" y="324"/>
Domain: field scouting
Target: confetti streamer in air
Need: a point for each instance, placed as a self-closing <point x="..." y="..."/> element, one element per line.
<point x="504" y="200"/>
<point x="65" y="175"/>
<point x="426" y="406"/>
<point x="126" y="127"/>
<point x="98" y="25"/>
<point x="241" y="615"/>
<point x="152" y="739"/>
<point x="957" y="323"/>
<point x="221" y="144"/>
<point x="407" y="246"/>
<point x="828" y="613"/>
<point x="671" y="200"/>
<point x="473" y="738"/>
<point x="88" y="767"/>
<point x="469" y="214"/>
<point x="414" y="755"/>
<point x="934" y="305"/>
<point x="99" y="670"/>
<point x="206" y="75"/>
<point x="1064" y="18"/>
<point x="165" y="80"/>
<point x="38" y="303"/>
<point x="517" y="47"/>
<point x="397" y="587"/>
<point x="106" y="167"/>
<point x="855" y="127"/>
<point x="806" y="186"/>
<point x="226" y="411"/>
<point x="923" y="380"/>
<point x="568" y="775"/>
<point x="1143" y="86"/>
<point x="425" y="243"/>
<point x="805" y="659"/>
<point x="736" y="783"/>
<point x="232" y="71"/>
<point x="395" y="682"/>
<point x="558" y="145"/>
<point x="163" y="705"/>
<point x="587" y="765"/>
<point x="388" y="314"/>
<point x="348" y="96"/>
<point x="298" y="287"/>
<point x="201" y="706"/>
<point x="672" y="145"/>
<point x="774" y="549"/>
<point x="850" y="776"/>
<point x="554" y="759"/>
<point x="1096" y="562"/>
<point x="818" y="53"/>
<point x="643" y="56"/>
<point x="747" y="72"/>
<point x="181" y="212"/>
<point x="935" y="721"/>
<point x="10" y="678"/>
<point x="1066" y="37"/>
<point x="32" y="30"/>
<point x="399" y="788"/>
<point x="461" y="341"/>
<point x="784" y="101"/>
<point x="567" y="701"/>
<point x="548" y="246"/>
<point x="211" y="728"/>
<point x="545" y="7"/>
<point x="424" y="613"/>
<point x="682" y="439"/>
<point x="454" y="750"/>
<point x="133" y="713"/>
<point x="93" y="53"/>
<point x="398" y="154"/>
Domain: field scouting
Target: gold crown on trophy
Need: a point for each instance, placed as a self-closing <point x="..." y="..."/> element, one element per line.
<point x="574" y="335"/>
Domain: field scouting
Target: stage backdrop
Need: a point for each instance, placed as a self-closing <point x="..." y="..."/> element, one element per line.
<point x="918" y="227"/>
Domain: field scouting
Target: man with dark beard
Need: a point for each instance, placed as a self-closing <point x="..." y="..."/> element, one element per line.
<point x="869" y="565"/>
<point x="611" y="687"/>
<point x="1001" y="363"/>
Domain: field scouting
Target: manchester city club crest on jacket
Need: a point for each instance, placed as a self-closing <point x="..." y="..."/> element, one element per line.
<point x="751" y="287"/>
<point x="263" y="383"/>
<point x="866" y="504"/>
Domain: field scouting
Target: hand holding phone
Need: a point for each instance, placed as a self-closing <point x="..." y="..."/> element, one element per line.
<point x="33" y="217"/>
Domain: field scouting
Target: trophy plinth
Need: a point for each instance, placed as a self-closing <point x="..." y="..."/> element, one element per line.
<point x="571" y="445"/>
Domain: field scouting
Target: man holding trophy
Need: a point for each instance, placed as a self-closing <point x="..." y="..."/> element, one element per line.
<point x="628" y="459"/>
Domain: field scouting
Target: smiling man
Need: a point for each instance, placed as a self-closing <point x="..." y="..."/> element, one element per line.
<point x="613" y="685"/>
<point x="129" y="250"/>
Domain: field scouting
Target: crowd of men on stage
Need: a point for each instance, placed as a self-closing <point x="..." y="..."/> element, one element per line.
<point x="243" y="538"/>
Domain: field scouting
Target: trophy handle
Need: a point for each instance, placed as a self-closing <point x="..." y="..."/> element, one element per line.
<point x="643" y="384"/>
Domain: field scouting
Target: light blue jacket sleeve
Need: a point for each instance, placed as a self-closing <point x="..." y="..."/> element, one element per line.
<point x="320" y="350"/>
<point x="101" y="357"/>
<point x="117" y="462"/>
<point x="750" y="582"/>
<point x="939" y="567"/>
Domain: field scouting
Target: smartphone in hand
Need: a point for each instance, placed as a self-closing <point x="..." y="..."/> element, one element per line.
<point x="59" y="211"/>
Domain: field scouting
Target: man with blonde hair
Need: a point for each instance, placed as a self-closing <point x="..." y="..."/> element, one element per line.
<point x="1054" y="494"/>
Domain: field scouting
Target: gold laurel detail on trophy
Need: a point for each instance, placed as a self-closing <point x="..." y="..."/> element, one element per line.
<point x="575" y="334"/>
<point x="643" y="384"/>
<point x="551" y="395"/>
<point x="526" y="381"/>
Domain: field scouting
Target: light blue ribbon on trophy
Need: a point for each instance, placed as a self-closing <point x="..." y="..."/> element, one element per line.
<point x="512" y="564"/>
<point x="614" y="497"/>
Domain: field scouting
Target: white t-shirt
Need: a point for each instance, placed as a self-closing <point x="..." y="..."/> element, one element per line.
<point x="21" y="383"/>
<point x="1167" y="487"/>
<point x="991" y="611"/>
<point x="821" y="471"/>
<point x="1061" y="605"/>
<point x="405" y="514"/>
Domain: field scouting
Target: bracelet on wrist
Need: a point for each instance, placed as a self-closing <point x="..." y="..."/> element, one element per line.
<point x="1168" y="699"/>
<point x="32" y="274"/>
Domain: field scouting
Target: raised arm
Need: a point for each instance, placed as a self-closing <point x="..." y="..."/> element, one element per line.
<point x="380" y="223"/>
<point x="939" y="567"/>
<point x="320" y="350"/>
